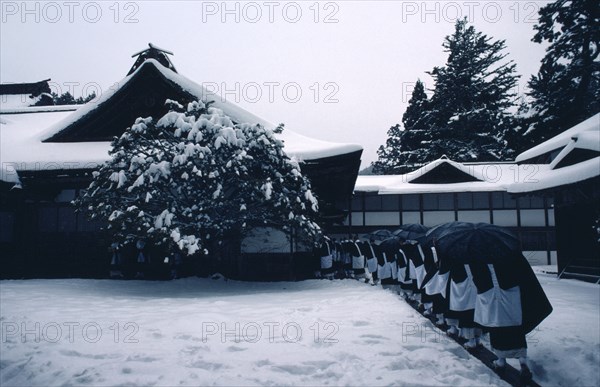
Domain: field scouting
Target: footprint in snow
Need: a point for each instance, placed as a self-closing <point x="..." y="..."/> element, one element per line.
<point x="73" y="353"/>
<point x="398" y="365"/>
<point x="295" y="369"/>
<point x="233" y="348"/>
<point x="371" y="336"/>
<point x="540" y="372"/>
<point x="194" y="349"/>
<point x="5" y="363"/>
<point x="262" y="363"/>
<point x="206" y="365"/>
<point x="319" y="364"/>
<point x="390" y="353"/>
<point x="327" y="375"/>
<point x="371" y="342"/>
<point x="143" y="359"/>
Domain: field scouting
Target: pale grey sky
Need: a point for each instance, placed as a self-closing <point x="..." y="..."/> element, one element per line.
<point x="334" y="70"/>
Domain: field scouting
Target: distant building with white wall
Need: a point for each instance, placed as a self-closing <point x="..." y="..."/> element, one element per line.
<point x="445" y="191"/>
<point x="549" y="197"/>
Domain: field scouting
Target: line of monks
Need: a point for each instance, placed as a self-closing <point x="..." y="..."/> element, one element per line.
<point x="469" y="299"/>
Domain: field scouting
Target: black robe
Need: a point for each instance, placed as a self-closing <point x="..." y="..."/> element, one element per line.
<point x="535" y="305"/>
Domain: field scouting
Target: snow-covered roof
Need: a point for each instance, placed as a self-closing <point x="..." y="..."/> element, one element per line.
<point x="510" y="177"/>
<point x="17" y="101"/>
<point x="23" y="136"/>
<point x="21" y="95"/>
<point x="490" y="177"/>
<point x="461" y="173"/>
<point x="591" y="124"/>
<point x="584" y="136"/>
<point x="296" y="145"/>
<point x="551" y="178"/>
<point x="21" y="148"/>
<point x="29" y="88"/>
<point x="38" y="109"/>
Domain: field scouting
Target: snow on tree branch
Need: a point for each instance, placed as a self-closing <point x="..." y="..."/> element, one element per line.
<point x="193" y="176"/>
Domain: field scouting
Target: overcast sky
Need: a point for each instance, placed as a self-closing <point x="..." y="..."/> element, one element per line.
<point x="339" y="71"/>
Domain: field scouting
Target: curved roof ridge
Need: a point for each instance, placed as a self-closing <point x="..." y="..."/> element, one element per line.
<point x="560" y="140"/>
<point x="296" y="145"/>
<point x="414" y="176"/>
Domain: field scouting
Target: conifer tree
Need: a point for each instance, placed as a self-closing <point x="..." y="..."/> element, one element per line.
<point x="566" y="89"/>
<point x="469" y="111"/>
<point x="417" y="106"/>
<point x="49" y="99"/>
<point x="468" y="117"/>
<point x="402" y="142"/>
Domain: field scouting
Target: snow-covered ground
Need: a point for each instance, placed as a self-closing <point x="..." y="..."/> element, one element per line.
<point x="204" y="332"/>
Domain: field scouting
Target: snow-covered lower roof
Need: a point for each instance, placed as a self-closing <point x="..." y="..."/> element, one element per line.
<point x="38" y="109"/>
<point x="21" y="148"/>
<point x="591" y="124"/>
<point x="17" y="101"/>
<point x="510" y="177"/>
<point x="548" y="178"/>
<point x="491" y="177"/>
<point x="24" y="145"/>
<point x="559" y="173"/>
<point x="460" y="173"/>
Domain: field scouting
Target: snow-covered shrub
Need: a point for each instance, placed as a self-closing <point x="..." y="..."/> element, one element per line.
<point x="193" y="176"/>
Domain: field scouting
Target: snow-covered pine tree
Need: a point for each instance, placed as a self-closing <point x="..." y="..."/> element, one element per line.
<point x="469" y="111"/>
<point x="417" y="106"/>
<point x="566" y="89"/>
<point x="194" y="177"/>
<point x="64" y="99"/>
<point x="467" y="118"/>
<point x="399" y="154"/>
<point x="388" y="154"/>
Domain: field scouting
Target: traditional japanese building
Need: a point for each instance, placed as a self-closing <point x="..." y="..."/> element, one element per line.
<point x="569" y="176"/>
<point x="19" y="95"/>
<point x="549" y="197"/>
<point x="48" y="154"/>
<point x="446" y="191"/>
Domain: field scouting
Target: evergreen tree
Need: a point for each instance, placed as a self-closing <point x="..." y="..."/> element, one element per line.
<point x="63" y="99"/>
<point x="84" y="100"/>
<point x="193" y="178"/>
<point x="68" y="99"/>
<point x="417" y="106"/>
<point x="468" y="114"/>
<point x="566" y="89"/>
<point x="389" y="153"/>
<point x="467" y="118"/>
<point x="402" y="143"/>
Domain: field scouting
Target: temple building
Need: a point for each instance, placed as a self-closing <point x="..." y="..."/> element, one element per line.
<point x="48" y="154"/>
<point x="549" y="196"/>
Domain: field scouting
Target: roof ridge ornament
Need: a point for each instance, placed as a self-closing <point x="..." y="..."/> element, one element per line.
<point x="152" y="52"/>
